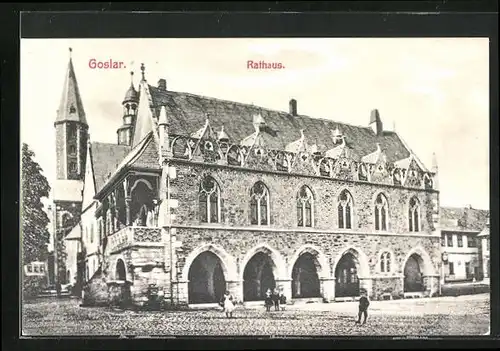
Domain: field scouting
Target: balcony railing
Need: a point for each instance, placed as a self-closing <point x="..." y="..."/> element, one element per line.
<point x="129" y="236"/>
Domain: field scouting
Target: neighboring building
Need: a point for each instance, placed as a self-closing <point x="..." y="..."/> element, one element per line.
<point x="460" y="229"/>
<point x="202" y="195"/>
<point x="484" y="239"/>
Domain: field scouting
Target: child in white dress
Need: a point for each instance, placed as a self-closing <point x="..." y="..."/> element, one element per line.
<point x="228" y="305"/>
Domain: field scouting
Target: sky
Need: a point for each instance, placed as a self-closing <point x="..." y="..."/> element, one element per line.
<point x="433" y="91"/>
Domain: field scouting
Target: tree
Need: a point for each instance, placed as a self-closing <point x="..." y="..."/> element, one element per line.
<point x="34" y="186"/>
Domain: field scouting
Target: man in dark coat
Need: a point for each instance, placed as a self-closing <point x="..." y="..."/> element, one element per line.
<point x="363" y="308"/>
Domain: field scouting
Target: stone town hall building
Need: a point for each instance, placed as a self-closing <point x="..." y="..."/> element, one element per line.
<point x="201" y="195"/>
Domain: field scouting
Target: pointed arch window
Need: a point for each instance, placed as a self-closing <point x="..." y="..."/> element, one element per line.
<point x="385" y="262"/>
<point x="381" y="212"/>
<point x="259" y="204"/>
<point x="345" y="210"/>
<point x="305" y="204"/>
<point x="209" y="200"/>
<point x="414" y="215"/>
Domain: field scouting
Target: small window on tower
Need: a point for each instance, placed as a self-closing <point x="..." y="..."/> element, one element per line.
<point x="72" y="166"/>
<point x="72" y="149"/>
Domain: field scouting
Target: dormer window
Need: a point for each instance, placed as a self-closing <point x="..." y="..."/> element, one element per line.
<point x="72" y="109"/>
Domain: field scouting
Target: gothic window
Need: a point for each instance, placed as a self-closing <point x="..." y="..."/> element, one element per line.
<point x="345" y="210"/>
<point x="362" y="172"/>
<point x="385" y="262"/>
<point x="71" y="131"/>
<point x="209" y="199"/>
<point x="305" y="203"/>
<point x="259" y="204"/>
<point x="72" y="149"/>
<point x="381" y="212"/>
<point x="72" y="167"/>
<point x="414" y="215"/>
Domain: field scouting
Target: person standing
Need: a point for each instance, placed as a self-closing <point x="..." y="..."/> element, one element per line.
<point x="228" y="304"/>
<point x="363" y="308"/>
<point x="282" y="300"/>
<point x="268" y="300"/>
<point x="276" y="299"/>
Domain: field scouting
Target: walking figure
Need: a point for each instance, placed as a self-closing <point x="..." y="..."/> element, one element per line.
<point x="282" y="298"/>
<point x="276" y="299"/>
<point x="363" y="308"/>
<point x="228" y="304"/>
<point x="268" y="300"/>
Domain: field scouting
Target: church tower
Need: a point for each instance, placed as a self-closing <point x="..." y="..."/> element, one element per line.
<point x="130" y="102"/>
<point x="71" y="151"/>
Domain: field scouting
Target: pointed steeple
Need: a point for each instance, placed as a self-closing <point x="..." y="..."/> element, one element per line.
<point x="144" y="122"/>
<point x="71" y="106"/>
<point x="434" y="163"/>
<point x="131" y="95"/>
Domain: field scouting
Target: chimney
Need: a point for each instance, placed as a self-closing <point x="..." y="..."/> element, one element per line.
<point x="293" y="107"/>
<point x="162" y="84"/>
<point x="376" y="122"/>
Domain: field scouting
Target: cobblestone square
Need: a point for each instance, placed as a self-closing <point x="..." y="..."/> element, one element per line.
<point x="462" y="315"/>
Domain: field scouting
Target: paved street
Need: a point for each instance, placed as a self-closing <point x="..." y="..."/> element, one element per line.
<point x="463" y="315"/>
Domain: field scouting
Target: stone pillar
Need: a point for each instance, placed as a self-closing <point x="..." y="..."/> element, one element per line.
<point x="431" y="283"/>
<point x="235" y="288"/>
<point x="286" y="286"/>
<point x="128" y="201"/>
<point x="366" y="284"/>
<point x="137" y="289"/>
<point x="328" y="288"/>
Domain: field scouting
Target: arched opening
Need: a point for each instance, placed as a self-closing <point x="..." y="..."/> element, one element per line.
<point x="207" y="283"/>
<point x="258" y="276"/>
<point x="142" y="203"/>
<point x="305" y="279"/>
<point x="120" y="270"/>
<point x="413" y="279"/>
<point x="346" y="276"/>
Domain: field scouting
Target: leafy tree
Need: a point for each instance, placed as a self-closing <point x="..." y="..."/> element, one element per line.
<point x="34" y="187"/>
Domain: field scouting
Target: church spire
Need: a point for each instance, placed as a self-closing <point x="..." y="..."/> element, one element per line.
<point x="71" y="106"/>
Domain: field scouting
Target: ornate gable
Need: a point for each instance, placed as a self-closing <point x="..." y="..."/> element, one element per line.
<point x="414" y="175"/>
<point x="204" y="144"/>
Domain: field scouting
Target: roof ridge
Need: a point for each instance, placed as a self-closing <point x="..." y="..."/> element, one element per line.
<point x="263" y="108"/>
<point x="110" y="144"/>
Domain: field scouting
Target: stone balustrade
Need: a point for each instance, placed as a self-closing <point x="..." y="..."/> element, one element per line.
<point x="130" y="236"/>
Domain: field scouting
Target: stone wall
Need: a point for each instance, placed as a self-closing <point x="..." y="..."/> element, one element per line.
<point x="236" y="184"/>
<point x="236" y="247"/>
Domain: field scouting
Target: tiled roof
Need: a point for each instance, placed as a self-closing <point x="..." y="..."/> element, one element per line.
<point x="187" y="114"/>
<point x="105" y="159"/>
<point x="455" y="218"/>
<point x="74" y="234"/>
